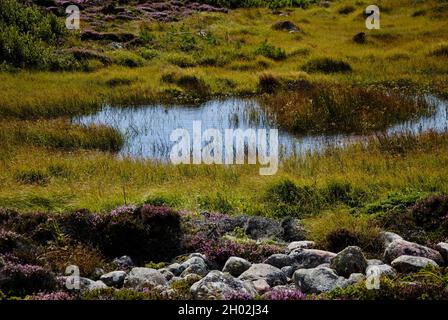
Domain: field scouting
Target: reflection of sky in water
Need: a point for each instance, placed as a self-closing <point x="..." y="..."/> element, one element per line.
<point x="147" y="129"/>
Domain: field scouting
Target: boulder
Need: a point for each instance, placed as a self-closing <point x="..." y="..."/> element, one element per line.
<point x="166" y="273"/>
<point x="195" y="265"/>
<point x="293" y="230"/>
<point x="348" y="261"/>
<point x="262" y="228"/>
<point x="124" y="262"/>
<point x="97" y="285"/>
<point x="280" y="260"/>
<point x="284" y="25"/>
<point x="406" y="264"/>
<point x="271" y="274"/>
<point x="299" y="245"/>
<point x="261" y="286"/>
<point x="289" y="270"/>
<point x="317" y="280"/>
<point x="405" y="248"/>
<point x="311" y="258"/>
<point x="218" y="285"/>
<point x="380" y="270"/>
<point x="236" y="266"/>
<point x="388" y="237"/>
<point x="442" y="247"/>
<point x="176" y="268"/>
<point x="139" y="278"/>
<point x="114" y="278"/>
<point x="374" y="262"/>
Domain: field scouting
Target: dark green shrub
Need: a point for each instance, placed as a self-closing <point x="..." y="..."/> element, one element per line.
<point x="270" y="51"/>
<point x="287" y="199"/>
<point x="26" y="35"/>
<point x="326" y="65"/>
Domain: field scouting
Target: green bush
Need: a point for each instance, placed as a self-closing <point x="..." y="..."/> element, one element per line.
<point x="270" y="51"/>
<point x="27" y="35"/>
<point x="326" y="65"/>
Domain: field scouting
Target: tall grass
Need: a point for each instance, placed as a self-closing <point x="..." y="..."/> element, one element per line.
<point x="336" y="108"/>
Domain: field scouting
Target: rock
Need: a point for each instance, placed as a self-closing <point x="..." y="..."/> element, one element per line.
<point x="318" y="280"/>
<point x="380" y="270"/>
<point x="405" y="248"/>
<point x="166" y="273"/>
<point x="97" y="273"/>
<point x="360" y="37"/>
<point x="261" y="285"/>
<point x="97" y="285"/>
<point x="280" y="260"/>
<point x="406" y="264"/>
<point x="374" y="262"/>
<point x="192" y="278"/>
<point x="289" y="270"/>
<point x="124" y="262"/>
<point x="293" y="230"/>
<point x="311" y="258"/>
<point x="354" y="279"/>
<point x="114" y="278"/>
<point x="195" y="265"/>
<point x="284" y="25"/>
<point x="442" y="247"/>
<point x="262" y="228"/>
<point x="271" y="274"/>
<point x="176" y="268"/>
<point x="236" y="266"/>
<point x="139" y="278"/>
<point x="348" y="261"/>
<point x="388" y="238"/>
<point x="217" y="285"/>
<point x="197" y="255"/>
<point x="300" y="245"/>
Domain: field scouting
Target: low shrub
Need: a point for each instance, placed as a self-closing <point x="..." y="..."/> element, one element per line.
<point x="326" y="65"/>
<point x="285" y="198"/>
<point x="21" y="280"/>
<point x="270" y="51"/>
<point x="128" y="59"/>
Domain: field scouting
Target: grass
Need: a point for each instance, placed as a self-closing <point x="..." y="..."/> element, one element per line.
<point x="334" y="108"/>
<point x="48" y="164"/>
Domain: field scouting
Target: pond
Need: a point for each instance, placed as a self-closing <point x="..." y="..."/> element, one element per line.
<point x="147" y="128"/>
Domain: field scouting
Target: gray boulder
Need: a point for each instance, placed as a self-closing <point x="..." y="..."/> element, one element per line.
<point x="389" y="237"/>
<point x="406" y="264"/>
<point x="293" y="230"/>
<point x="176" y="268"/>
<point x="348" y="261"/>
<point x="124" y="262"/>
<point x="139" y="278"/>
<point x="289" y="270"/>
<point x="442" y="247"/>
<point x="405" y="248"/>
<point x="166" y="273"/>
<point x="262" y="228"/>
<point x="317" y="280"/>
<point x="236" y="266"/>
<point x="114" y="278"/>
<point x="218" y="285"/>
<point x="299" y="245"/>
<point x="280" y="260"/>
<point x="271" y="274"/>
<point x="195" y="265"/>
<point x="374" y="262"/>
<point x="311" y="258"/>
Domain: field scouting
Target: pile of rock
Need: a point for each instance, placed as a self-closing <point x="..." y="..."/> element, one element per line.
<point x="302" y="267"/>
